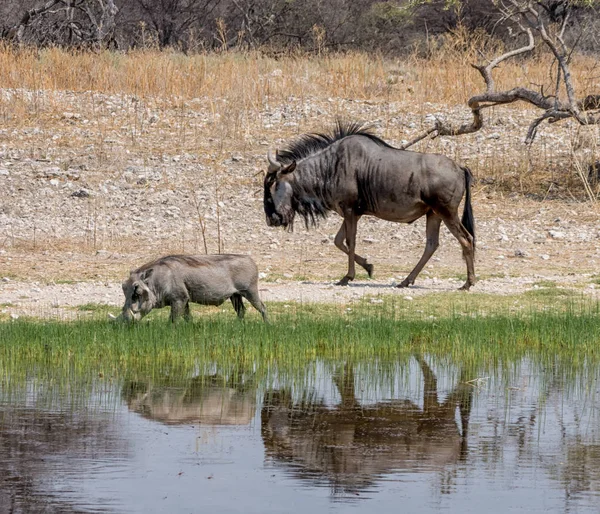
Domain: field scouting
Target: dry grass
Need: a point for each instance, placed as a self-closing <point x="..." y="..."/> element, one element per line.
<point x="219" y="103"/>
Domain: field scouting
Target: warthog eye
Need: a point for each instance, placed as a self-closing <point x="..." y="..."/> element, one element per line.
<point x="135" y="297"/>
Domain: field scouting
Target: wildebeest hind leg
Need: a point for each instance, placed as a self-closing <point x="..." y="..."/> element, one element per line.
<point x="433" y="241"/>
<point x="238" y="305"/>
<point x="466" y="241"/>
<point x="339" y="242"/>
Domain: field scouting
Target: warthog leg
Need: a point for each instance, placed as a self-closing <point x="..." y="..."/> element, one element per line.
<point x="252" y="296"/>
<point x="466" y="241"/>
<point x="187" y="315"/>
<point x="238" y="305"/>
<point x="348" y="231"/>
<point x="432" y="231"/>
<point x="180" y="308"/>
<point x="339" y="242"/>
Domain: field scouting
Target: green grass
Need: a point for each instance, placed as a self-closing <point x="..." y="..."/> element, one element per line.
<point x="545" y="283"/>
<point x="295" y="335"/>
<point x="95" y="307"/>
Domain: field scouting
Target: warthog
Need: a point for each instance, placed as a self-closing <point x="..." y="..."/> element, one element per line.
<point x="354" y="173"/>
<point x="177" y="280"/>
<point x="209" y="400"/>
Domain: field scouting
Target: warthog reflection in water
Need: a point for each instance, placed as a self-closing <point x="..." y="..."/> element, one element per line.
<point x="351" y="445"/>
<point x="210" y="400"/>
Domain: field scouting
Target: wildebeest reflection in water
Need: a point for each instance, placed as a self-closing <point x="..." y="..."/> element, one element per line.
<point x="350" y="446"/>
<point x="209" y="400"/>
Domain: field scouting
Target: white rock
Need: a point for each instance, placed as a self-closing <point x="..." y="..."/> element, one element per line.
<point x="409" y="298"/>
<point x="545" y="257"/>
<point x="556" y="234"/>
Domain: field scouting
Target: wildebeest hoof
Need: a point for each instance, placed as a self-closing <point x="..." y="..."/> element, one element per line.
<point x="343" y="282"/>
<point x="465" y="287"/>
<point x="369" y="268"/>
<point x="405" y="283"/>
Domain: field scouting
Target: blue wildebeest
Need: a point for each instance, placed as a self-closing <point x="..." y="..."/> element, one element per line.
<point x="355" y="173"/>
<point x="177" y="280"/>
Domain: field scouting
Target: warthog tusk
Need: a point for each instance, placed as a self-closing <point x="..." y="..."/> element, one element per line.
<point x="111" y="316"/>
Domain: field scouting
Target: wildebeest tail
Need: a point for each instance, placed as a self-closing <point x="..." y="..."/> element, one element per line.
<point x="467" y="218"/>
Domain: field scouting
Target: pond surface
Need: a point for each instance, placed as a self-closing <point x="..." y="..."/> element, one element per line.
<point x="423" y="435"/>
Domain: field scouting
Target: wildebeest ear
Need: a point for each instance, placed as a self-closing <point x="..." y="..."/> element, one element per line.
<point x="147" y="274"/>
<point x="289" y="169"/>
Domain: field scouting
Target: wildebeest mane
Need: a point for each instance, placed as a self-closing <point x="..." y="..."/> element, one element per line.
<point x="309" y="144"/>
<point x="312" y="198"/>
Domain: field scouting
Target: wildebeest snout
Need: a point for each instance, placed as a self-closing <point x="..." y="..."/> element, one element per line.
<point x="274" y="220"/>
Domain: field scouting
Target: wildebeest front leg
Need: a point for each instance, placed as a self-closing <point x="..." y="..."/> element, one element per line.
<point x="433" y="241"/>
<point x="350" y="223"/>
<point x="339" y="242"/>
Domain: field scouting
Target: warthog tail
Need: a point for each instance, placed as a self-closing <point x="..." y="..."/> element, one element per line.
<point x="468" y="220"/>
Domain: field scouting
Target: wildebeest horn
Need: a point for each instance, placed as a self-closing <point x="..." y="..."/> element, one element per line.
<point x="274" y="165"/>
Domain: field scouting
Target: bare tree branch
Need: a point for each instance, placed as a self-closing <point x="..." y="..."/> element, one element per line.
<point x="528" y="16"/>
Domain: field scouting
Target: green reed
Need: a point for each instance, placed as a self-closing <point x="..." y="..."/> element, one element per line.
<point x="295" y="335"/>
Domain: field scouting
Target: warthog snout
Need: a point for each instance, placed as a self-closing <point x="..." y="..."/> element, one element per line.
<point x="129" y="316"/>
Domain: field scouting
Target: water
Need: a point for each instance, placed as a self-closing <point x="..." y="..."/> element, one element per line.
<point x="419" y="436"/>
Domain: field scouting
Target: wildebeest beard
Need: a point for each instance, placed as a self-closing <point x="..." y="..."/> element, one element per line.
<point x="309" y="204"/>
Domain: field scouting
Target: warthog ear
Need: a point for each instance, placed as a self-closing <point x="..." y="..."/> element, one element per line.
<point x="146" y="275"/>
<point x="289" y="169"/>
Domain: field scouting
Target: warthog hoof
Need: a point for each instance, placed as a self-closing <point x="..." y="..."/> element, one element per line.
<point x="369" y="268"/>
<point x="344" y="281"/>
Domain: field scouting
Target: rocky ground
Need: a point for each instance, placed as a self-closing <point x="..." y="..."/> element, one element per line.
<point x="92" y="186"/>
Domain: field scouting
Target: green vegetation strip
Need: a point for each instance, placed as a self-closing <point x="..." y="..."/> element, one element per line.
<point x="295" y="335"/>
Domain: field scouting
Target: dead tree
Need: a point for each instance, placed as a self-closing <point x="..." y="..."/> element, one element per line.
<point x="70" y="22"/>
<point x="541" y="22"/>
